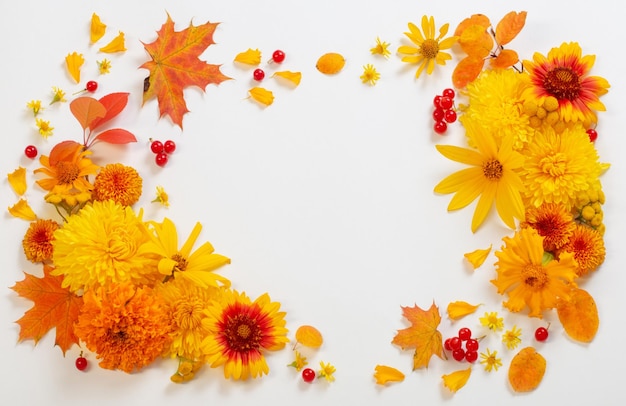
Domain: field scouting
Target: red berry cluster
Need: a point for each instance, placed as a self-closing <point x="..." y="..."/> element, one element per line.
<point x="444" y="112"/>
<point x="162" y="151"/>
<point x="278" y="56"/>
<point x="455" y="345"/>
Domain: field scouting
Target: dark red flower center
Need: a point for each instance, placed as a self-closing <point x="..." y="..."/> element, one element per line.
<point x="562" y="83"/>
<point x="242" y="333"/>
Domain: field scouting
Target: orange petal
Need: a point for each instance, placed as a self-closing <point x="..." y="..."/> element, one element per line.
<point x="22" y="210"/>
<point x="385" y="374"/>
<point x="459" y="309"/>
<point x="456" y="380"/>
<point x="17" y="180"/>
<point x="249" y="57"/>
<point x="477" y="257"/>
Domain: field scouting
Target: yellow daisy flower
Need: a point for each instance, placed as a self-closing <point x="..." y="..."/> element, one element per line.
<point x="492" y="321"/>
<point x="35" y="106"/>
<point x="299" y="362"/>
<point x="490" y="360"/>
<point x="104" y="66"/>
<point x="161" y="197"/>
<point x="44" y="127"/>
<point x="381" y="48"/>
<point x="370" y="74"/>
<point x="327" y="370"/>
<point x="58" y="95"/>
<point x="511" y="338"/>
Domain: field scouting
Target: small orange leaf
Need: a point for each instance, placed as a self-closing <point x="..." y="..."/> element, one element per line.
<point x="466" y="71"/>
<point x="114" y="103"/>
<point x="476" y="19"/>
<point x="421" y="335"/>
<point x="505" y="59"/>
<point x="309" y="336"/>
<point x="510" y="25"/>
<point x="456" y="380"/>
<point x="526" y="370"/>
<point x="579" y="315"/>
<point x="262" y="95"/>
<point x="476" y="41"/>
<point x="63" y="151"/>
<point x="459" y="309"/>
<point x="116" y="136"/>
<point x="86" y="110"/>
<point x="249" y="57"/>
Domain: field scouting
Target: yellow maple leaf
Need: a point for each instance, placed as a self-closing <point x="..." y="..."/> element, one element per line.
<point x="74" y="61"/>
<point x="293" y="77"/>
<point x="262" y="95"/>
<point x="384" y="374"/>
<point x="457" y="379"/>
<point x="526" y="370"/>
<point x="249" y="57"/>
<point x="459" y="309"/>
<point x="421" y="335"/>
<point x="579" y="315"/>
<point x="97" y="28"/>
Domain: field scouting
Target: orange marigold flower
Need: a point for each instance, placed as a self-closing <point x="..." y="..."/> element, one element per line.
<point x="553" y="222"/>
<point x="119" y="183"/>
<point x="127" y="327"/>
<point x="38" y="239"/>
<point x="587" y="245"/>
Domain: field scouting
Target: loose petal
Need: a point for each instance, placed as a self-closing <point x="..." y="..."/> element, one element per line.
<point x="22" y="210"/>
<point x="477" y="257"/>
<point x="74" y="61"/>
<point x="385" y="374"/>
<point x="17" y="180"/>
<point x="456" y="380"/>
<point x="293" y="77"/>
<point x="262" y="95"/>
<point x="249" y="57"/>
<point x="116" y="45"/>
<point x="460" y="309"/>
<point x="97" y="28"/>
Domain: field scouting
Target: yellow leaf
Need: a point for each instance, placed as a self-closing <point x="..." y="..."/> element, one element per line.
<point x="116" y="45"/>
<point x="330" y="63"/>
<point x="97" y="29"/>
<point x="579" y="315"/>
<point x="476" y="19"/>
<point x="505" y="59"/>
<point x="460" y="309"/>
<point x="526" y="370"/>
<point x="250" y="57"/>
<point x="262" y="95"/>
<point x="456" y="380"/>
<point x="477" y="257"/>
<point x="17" y="180"/>
<point x="385" y="374"/>
<point x="476" y="41"/>
<point x="309" y="336"/>
<point x="22" y="210"/>
<point x="293" y="77"/>
<point x="73" y="62"/>
<point x="510" y="25"/>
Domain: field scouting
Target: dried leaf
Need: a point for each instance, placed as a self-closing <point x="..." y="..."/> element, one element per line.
<point x="510" y="25"/>
<point x="526" y="370"/>
<point x="384" y="374"/>
<point x="175" y="66"/>
<point x="17" y="180"/>
<point x="97" y="29"/>
<point x="87" y="110"/>
<point x="421" y="335"/>
<point x="116" y="136"/>
<point x="505" y="59"/>
<point x="73" y="62"/>
<point x="476" y="41"/>
<point x="54" y="307"/>
<point x="478" y="257"/>
<point x="309" y="336"/>
<point x="466" y="71"/>
<point x="62" y="151"/>
<point x="23" y="211"/>
<point x="579" y="315"/>
<point x="476" y="19"/>
<point x="117" y="44"/>
<point x="330" y="63"/>
<point x="262" y="95"/>
<point x="249" y="57"/>
<point x="293" y="77"/>
<point x="114" y="103"/>
<point x="456" y="380"/>
<point x="459" y="309"/>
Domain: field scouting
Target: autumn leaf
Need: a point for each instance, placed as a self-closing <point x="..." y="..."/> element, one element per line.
<point x="113" y="103"/>
<point x="457" y="379"/>
<point x="505" y="59"/>
<point x="249" y="57"/>
<point x="86" y="110"/>
<point x="579" y="315"/>
<point x="467" y="70"/>
<point x="54" y="307"/>
<point x="262" y="95"/>
<point x="526" y="370"/>
<point x="421" y="335"/>
<point x="175" y="66"/>
<point x="476" y="41"/>
<point x="116" y="136"/>
<point x="476" y="19"/>
<point x="62" y="151"/>
<point x="510" y="25"/>
<point x="459" y="309"/>
<point x="309" y="336"/>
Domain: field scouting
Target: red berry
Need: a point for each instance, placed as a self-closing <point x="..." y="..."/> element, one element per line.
<point x="458" y="354"/>
<point x="471" y="356"/>
<point x="593" y="134"/>
<point x="455" y="343"/>
<point x="258" y="75"/>
<point x="449" y="93"/>
<point x="81" y="363"/>
<point x="541" y="334"/>
<point x="169" y="146"/>
<point x="450" y="116"/>
<point x="465" y="334"/>
<point x="156" y="147"/>
<point x="438" y="114"/>
<point x="472" y="345"/>
<point x="161" y="159"/>
<point x="278" y="56"/>
<point x="437" y="101"/>
<point x="446" y="344"/>
<point x="91" y="86"/>
<point x="441" y="127"/>
<point x="446" y="102"/>
<point x="30" y="151"/>
<point x="308" y="375"/>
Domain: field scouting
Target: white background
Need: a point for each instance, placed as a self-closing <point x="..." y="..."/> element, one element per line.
<point x="324" y="199"/>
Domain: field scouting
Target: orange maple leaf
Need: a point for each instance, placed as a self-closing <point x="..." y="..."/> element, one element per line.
<point x="54" y="307"/>
<point x="175" y="66"/>
<point x="421" y="335"/>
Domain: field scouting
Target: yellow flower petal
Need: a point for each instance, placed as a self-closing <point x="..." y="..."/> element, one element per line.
<point x="22" y="210"/>
<point x="249" y="57"/>
<point x="386" y="374"/>
<point x="460" y="309"/>
<point x="456" y="380"/>
<point x="116" y="45"/>
<point x="73" y="62"/>
<point x="477" y="257"/>
<point x="97" y="28"/>
<point x="293" y="77"/>
<point x="17" y="180"/>
<point x="262" y="95"/>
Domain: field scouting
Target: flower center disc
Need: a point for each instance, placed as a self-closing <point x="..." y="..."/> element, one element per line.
<point x="535" y="276"/>
<point x="429" y="49"/>
<point x="67" y="172"/>
<point x="562" y="83"/>
<point x="242" y="333"/>
<point x="492" y="169"/>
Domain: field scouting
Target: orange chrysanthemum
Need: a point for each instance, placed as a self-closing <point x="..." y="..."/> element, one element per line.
<point x="38" y="239"/>
<point x="127" y="327"/>
<point x="564" y="75"/>
<point x="119" y="183"/>
<point x="587" y="245"/>
<point x="240" y="331"/>
<point x="553" y="222"/>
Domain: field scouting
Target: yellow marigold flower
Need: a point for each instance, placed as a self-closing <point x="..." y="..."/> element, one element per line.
<point x="104" y="66"/>
<point x="66" y="181"/>
<point x="564" y="74"/>
<point x="511" y="338"/>
<point x="429" y="49"/>
<point x="162" y="197"/>
<point x="299" y="361"/>
<point x="528" y="281"/>
<point x="490" y="360"/>
<point x="73" y="62"/>
<point x="326" y="371"/>
<point x="241" y="330"/>
<point x="587" y="246"/>
<point x="478" y="257"/>
<point x="385" y="374"/>
<point x="559" y="167"/>
<point x="197" y="267"/>
<point x="103" y="243"/>
<point x="35" y="106"/>
<point x="37" y="242"/>
<point x="119" y="183"/>
<point x="97" y="28"/>
<point x="554" y="222"/>
<point x="44" y="127"/>
<point x="58" y="95"/>
<point x="370" y="74"/>
<point x="456" y="380"/>
<point x="492" y="175"/>
<point x="126" y="326"/>
<point x="117" y="44"/>
<point x="492" y="321"/>
<point x="381" y="48"/>
<point x="22" y="210"/>
<point x="17" y="180"/>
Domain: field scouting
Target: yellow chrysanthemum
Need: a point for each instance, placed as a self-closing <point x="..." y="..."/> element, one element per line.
<point x="490" y="360"/>
<point x="101" y="244"/>
<point x="528" y="281"/>
<point x="554" y="222"/>
<point x="492" y="321"/>
<point x="370" y="75"/>
<point x="511" y="338"/>
<point x="326" y="371"/>
<point x="564" y="75"/>
<point x="104" y="66"/>
<point x="429" y="49"/>
<point x="587" y="246"/>
<point x="492" y="176"/>
<point x="299" y="362"/>
<point x="560" y="167"/>
<point x="37" y="242"/>
<point x="241" y="331"/>
<point x="119" y="183"/>
<point x="381" y="48"/>
<point x="44" y="127"/>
